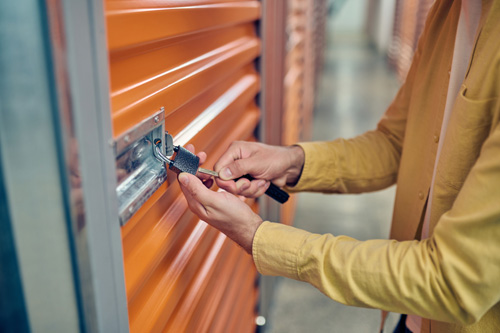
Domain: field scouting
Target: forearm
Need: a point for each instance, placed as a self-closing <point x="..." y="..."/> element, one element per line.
<point x="403" y="277"/>
<point x="366" y="163"/>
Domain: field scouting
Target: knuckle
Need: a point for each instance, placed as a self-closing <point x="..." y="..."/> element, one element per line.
<point x="238" y="165"/>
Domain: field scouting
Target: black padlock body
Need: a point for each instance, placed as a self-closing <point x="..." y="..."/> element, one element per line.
<point x="185" y="161"/>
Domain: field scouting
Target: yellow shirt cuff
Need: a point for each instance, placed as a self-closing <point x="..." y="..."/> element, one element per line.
<point x="275" y="249"/>
<point x="318" y="173"/>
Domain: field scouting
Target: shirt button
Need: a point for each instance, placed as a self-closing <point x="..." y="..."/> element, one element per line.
<point x="436" y="138"/>
<point x="420" y="195"/>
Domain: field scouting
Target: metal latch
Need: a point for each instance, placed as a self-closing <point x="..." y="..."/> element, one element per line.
<point x="139" y="173"/>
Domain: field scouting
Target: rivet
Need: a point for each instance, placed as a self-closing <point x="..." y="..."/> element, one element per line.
<point x="131" y="209"/>
<point x="126" y="139"/>
<point x="157" y="119"/>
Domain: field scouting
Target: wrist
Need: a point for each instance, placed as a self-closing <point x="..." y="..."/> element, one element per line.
<point x="256" y="224"/>
<point x="297" y="159"/>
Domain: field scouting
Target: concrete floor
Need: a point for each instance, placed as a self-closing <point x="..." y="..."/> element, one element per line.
<point x="355" y="89"/>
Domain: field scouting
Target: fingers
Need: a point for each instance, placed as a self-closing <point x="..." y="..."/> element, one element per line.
<point x="194" y="187"/>
<point x="228" y="185"/>
<point x="190" y="147"/>
<point x="240" y="164"/>
<point x="196" y="193"/>
<point x="255" y="189"/>
<point x="203" y="156"/>
<point x="239" y="168"/>
<point x="242" y="158"/>
<point x="233" y="152"/>
<point x="238" y="160"/>
<point x="244" y="187"/>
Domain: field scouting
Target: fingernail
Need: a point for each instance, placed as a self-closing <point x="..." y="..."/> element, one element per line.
<point x="261" y="183"/>
<point x="244" y="187"/>
<point x="226" y="173"/>
<point x="184" y="179"/>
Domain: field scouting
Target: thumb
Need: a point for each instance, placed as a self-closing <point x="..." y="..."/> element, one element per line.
<point x="193" y="188"/>
<point x="239" y="168"/>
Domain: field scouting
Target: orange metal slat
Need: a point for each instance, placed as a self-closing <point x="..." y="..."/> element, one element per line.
<point x="236" y="91"/>
<point x="165" y="288"/>
<point x="193" y="292"/>
<point x="163" y="240"/>
<point x="241" y="127"/>
<point x="251" y="313"/>
<point x="138" y="4"/>
<point x="133" y="66"/>
<point x="220" y="323"/>
<point x="244" y="320"/>
<point x="209" y="305"/>
<point x="239" y="319"/>
<point x="232" y="55"/>
<point x="129" y="27"/>
<point x="288" y="210"/>
<point x="233" y="116"/>
<point x="212" y="267"/>
<point x="175" y="94"/>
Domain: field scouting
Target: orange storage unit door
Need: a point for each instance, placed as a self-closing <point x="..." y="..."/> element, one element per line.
<point x="409" y="23"/>
<point x="195" y="59"/>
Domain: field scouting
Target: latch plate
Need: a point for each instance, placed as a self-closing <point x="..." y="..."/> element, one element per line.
<point x="139" y="173"/>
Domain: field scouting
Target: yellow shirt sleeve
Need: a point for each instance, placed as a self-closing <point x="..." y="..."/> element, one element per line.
<point x="452" y="276"/>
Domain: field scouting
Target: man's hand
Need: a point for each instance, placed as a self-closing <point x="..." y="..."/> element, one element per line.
<point x="265" y="163"/>
<point x="221" y="210"/>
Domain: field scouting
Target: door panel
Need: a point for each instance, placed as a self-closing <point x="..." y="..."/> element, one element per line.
<point x="195" y="59"/>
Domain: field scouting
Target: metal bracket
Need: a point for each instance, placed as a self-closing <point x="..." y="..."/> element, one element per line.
<point x="139" y="173"/>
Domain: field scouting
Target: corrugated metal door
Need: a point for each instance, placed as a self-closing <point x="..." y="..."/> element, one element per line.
<point x="409" y="22"/>
<point x="305" y="32"/>
<point x="196" y="60"/>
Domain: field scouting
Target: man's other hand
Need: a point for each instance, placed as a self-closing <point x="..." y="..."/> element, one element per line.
<point x="221" y="210"/>
<point x="265" y="163"/>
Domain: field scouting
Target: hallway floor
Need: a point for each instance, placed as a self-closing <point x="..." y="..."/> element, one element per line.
<point x="355" y="89"/>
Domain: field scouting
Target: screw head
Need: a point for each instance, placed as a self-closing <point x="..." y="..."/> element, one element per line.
<point x="157" y="119"/>
<point x="126" y="138"/>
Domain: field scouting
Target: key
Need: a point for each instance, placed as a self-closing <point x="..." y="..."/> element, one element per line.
<point x="209" y="172"/>
<point x="273" y="191"/>
<point x="185" y="161"/>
